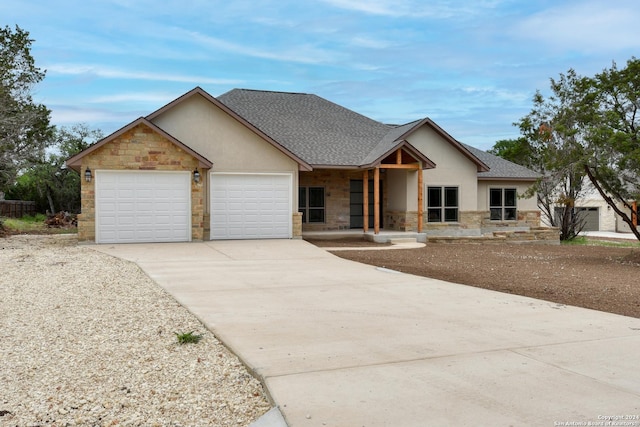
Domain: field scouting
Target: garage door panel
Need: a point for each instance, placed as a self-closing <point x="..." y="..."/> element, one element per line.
<point x="250" y="206"/>
<point x="149" y="206"/>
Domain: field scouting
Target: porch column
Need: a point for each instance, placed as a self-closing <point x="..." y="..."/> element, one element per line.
<point x="365" y="200"/>
<point x="376" y="200"/>
<point x="420" y="200"/>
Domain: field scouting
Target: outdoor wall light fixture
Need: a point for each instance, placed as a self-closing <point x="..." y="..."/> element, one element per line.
<point x="87" y="174"/>
<point x="196" y="176"/>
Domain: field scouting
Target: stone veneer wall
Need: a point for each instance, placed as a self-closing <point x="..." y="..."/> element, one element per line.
<point x="296" y="225"/>
<point x="138" y="149"/>
<point x="471" y="223"/>
<point x="401" y="220"/>
<point x="526" y="219"/>
<point x="336" y="191"/>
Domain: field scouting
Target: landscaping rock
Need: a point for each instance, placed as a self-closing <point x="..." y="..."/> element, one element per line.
<point x="88" y="339"/>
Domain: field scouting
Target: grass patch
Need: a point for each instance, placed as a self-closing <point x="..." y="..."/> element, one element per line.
<point x="592" y="241"/>
<point x="32" y="224"/>
<point x="37" y="218"/>
<point x="188" y="338"/>
<point x="579" y="240"/>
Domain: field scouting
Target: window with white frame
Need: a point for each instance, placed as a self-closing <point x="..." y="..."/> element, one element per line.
<point x="442" y="204"/>
<point x="311" y="204"/>
<point x="503" y="204"/>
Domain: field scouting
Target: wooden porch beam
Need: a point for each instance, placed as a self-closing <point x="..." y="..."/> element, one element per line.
<point x="420" y="201"/>
<point x="405" y="166"/>
<point x="399" y="156"/>
<point x="376" y="200"/>
<point x="365" y="200"/>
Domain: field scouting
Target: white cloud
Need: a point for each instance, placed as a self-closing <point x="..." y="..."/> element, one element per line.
<point x="299" y="53"/>
<point x="416" y="8"/>
<point x="497" y="94"/>
<point x="585" y="26"/>
<point x="66" y="115"/>
<point x="115" y="73"/>
<point x="373" y="7"/>
<point x="129" y="97"/>
<point x="370" y="43"/>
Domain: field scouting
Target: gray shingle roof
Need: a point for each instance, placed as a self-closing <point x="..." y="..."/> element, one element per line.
<point x="501" y="168"/>
<point x="387" y="142"/>
<point x="316" y="130"/>
<point x="324" y="133"/>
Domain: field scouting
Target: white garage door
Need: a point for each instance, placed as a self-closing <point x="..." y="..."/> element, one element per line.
<point x="143" y="206"/>
<point x="250" y="206"/>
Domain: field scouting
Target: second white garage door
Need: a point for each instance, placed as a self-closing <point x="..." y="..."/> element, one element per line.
<point x="250" y="206"/>
<point x="143" y="206"/>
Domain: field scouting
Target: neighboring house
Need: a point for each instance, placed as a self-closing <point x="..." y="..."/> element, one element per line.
<point x="596" y="212"/>
<point x="257" y="164"/>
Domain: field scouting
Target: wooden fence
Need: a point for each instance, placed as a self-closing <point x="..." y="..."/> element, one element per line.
<point x="16" y="208"/>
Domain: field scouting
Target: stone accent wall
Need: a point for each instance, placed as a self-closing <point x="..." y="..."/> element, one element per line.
<point x="401" y="220"/>
<point x="541" y="235"/>
<point x="206" y="220"/>
<point x="296" y="225"/>
<point x="139" y="149"/>
<point x="477" y="223"/>
<point x="526" y="220"/>
<point x="532" y="218"/>
<point x="336" y="191"/>
<point x="468" y="225"/>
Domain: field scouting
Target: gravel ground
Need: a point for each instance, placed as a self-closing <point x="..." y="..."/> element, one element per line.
<point x="88" y="339"/>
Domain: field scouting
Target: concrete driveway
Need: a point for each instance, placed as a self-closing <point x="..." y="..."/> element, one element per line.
<point x="339" y="343"/>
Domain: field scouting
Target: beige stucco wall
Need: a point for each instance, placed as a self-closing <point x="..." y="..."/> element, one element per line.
<point x="220" y="138"/>
<point x="397" y="189"/>
<point x="138" y="149"/>
<point x="452" y="167"/>
<point x="620" y="225"/>
<point x="527" y="204"/>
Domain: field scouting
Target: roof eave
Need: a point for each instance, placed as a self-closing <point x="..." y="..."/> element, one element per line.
<point x="426" y="162"/>
<point x="323" y="166"/>
<point x="302" y="165"/>
<point x="506" y="178"/>
<point x="481" y="166"/>
<point x="75" y="162"/>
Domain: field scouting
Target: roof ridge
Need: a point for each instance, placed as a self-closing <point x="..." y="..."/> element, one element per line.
<point x="313" y="95"/>
<point x="270" y="91"/>
<point x="394" y="125"/>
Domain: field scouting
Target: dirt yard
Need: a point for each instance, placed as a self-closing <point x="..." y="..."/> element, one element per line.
<point x="597" y="277"/>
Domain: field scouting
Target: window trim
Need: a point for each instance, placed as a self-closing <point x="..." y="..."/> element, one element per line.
<point x="442" y="208"/>
<point x="503" y="207"/>
<point x="306" y="209"/>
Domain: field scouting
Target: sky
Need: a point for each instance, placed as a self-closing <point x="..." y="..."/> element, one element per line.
<point x="472" y="66"/>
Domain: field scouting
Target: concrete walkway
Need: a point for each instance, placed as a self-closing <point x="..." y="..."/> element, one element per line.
<point x="339" y="343"/>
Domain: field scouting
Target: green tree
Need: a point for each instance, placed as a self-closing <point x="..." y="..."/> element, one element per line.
<point x="588" y="127"/>
<point x="518" y="151"/>
<point x="612" y="127"/>
<point x="554" y="128"/>
<point x="548" y="145"/>
<point x="50" y="183"/>
<point x="24" y="124"/>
